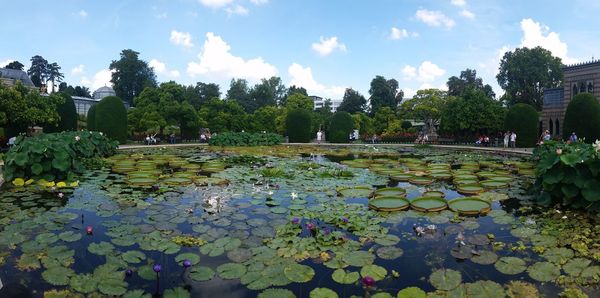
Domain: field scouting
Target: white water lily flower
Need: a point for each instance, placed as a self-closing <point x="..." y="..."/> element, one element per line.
<point x="530" y="221"/>
<point x="77" y="138"/>
<point x="557" y="211"/>
<point x="294" y="196"/>
<point x="564" y="217"/>
<point x="270" y="192"/>
<point x="597" y="145"/>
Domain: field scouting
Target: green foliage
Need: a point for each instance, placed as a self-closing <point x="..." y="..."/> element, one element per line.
<point x="583" y="117"/>
<point x="340" y="127"/>
<point x="525" y="73"/>
<point x="425" y="106"/>
<point x="55" y="156"/>
<point x="473" y="112"/>
<point x="264" y="119"/>
<point x="67" y="113"/>
<point x="223" y="115"/>
<point x="245" y="139"/>
<point x="384" y="93"/>
<point x="383" y="117"/>
<point x="111" y="118"/>
<point x="21" y="108"/>
<point x="523" y="120"/>
<point x="458" y="86"/>
<point x="406" y="124"/>
<point x="569" y="174"/>
<point x="299" y="126"/>
<point x="131" y="75"/>
<point x="91" y="118"/>
<point x="353" y="102"/>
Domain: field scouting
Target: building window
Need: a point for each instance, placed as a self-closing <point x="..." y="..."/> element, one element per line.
<point x="581" y="87"/>
<point x="590" y="87"/>
<point x="574" y="90"/>
<point x="557" y="127"/>
<point x="550" y="126"/>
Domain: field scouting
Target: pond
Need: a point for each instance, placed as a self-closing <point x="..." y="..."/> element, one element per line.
<point x="295" y="222"/>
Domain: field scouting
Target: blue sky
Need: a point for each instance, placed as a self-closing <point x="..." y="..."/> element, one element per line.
<point x="324" y="46"/>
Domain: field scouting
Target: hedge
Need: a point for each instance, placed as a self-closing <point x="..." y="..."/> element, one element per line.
<point x="298" y="126"/>
<point x="91" y="118"/>
<point x="340" y="127"/>
<point x="68" y="116"/>
<point x="111" y="118"/>
<point x="583" y="118"/>
<point x="523" y="120"/>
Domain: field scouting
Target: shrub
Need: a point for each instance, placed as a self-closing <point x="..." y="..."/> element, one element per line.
<point x="111" y="118"/>
<point x="55" y="155"/>
<point x="68" y="115"/>
<point x="245" y="139"/>
<point x="340" y="127"/>
<point x="298" y="126"/>
<point x="569" y="174"/>
<point x="91" y="118"/>
<point x="523" y="120"/>
<point x="583" y="117"/>
<point x="406" y="124"/>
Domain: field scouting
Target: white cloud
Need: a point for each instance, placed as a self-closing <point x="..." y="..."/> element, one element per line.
<point x="101" y="78"/>
<point x="459" y="2"/>
<point x="536" y="34"/>
<point x="396" y="33"/>
<point x="161" y="16"/>
<point x="161" y="69"/>
<point x="217" y="62"/>
<point x="302" y="76"/>
<point x="82" y="13"/>
<point x="467" y="14"/>
<point x="434" y="18"/>
<point x="409" y="92"/>
<point x="215" y="3"/>
<point x="427" y="72"/>
<point x="236" y="10"/>
<point x="77" y="70"/>
<point x="181" y="38"/>
<point x="326" y="46"/>
<point x="259" y="2"/>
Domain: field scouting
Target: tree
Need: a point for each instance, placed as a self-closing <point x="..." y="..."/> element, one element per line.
<point x="340" y="127"/>
<point x="457" y="86"/>
<point x="298" y="126"/>
<point x="523" y="120"/>
<point x="54" y="75"/>
<point x="15" y="65"/>
<point x="38" y="70"/>
<point x="471" y="113"/>
<point x="383" y="118"/>
<point x="111" y="118"/>
<point x="293" y="89"/>
<point x="201" y="93"/>
<point x="268" y="92"/>
<point x="384" y="93"/>
<point x="240" y="92"/>
<point x="353" y="102"/>
<point x="583" y="117"/>
<point x="91" y="118"/>
<point x="21" y="108"/>
<point x="81" y="91"/>
<point x="224" y="115"/>
<point x="525" y="73"/>
<point x="425" y="106"/>
<point x="264" y="119"/>
<point x="130" y="75"/>
<point x="67" y="113"/>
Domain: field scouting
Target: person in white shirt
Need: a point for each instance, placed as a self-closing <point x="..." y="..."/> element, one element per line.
<point x="513" y="140"/>
<point x="319" y="136"/>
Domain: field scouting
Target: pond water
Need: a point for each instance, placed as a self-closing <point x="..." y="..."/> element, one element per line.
<point x="295" y="222"/>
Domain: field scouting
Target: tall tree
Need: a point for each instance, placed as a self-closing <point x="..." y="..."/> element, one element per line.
<point x="384" y="93"/>
<point x="268" y="92"/>
<point x="15" y="65"/>
<point x="525" y="73"/>
<point x="201" y="93"/>
<point x="53" y="74"/>
<point x="471" y="113"/>
<point x="425" y="106"/>
<point x="353" y="102"/>
<point x="38" y="70"/>
<point x="81" y="91"/>
<point x="240" y="92"/>
<point x="291" y="90"/>
<point x="458" y="86"/>
<point x="131" y="75"/>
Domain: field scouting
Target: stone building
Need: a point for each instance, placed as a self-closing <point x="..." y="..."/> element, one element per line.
<point x="9" y="77"/>
<point x="579" y="78"/>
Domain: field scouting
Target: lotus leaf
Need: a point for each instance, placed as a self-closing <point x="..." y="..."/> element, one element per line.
<point x="102" y="248"/>
<point x="276" y="293"/>
<point x="544" y="271"/>
<point x="575" y="266"/>
<point x="192" y="257"/>
<point x="359" y="258"/>
<point x="389" y="252"/>
<point x="518" y="289"/>
<point x="299" y="273"/>
<point x="343" y="277"/>
<point x="510" y="265"/>
<point x="558" y="255"/>
<point x="69" y="236"/>
<point x="445" y="279"/>
<point x="411" y="292"/>
<point x="178" y="292"/>
<point x="231" y="270"/>
<point x="323" y="293"/>
<point x="58" y="276"/>
<point x="484" y="289"/>
<point x="133" y="256"/>
<point x="201" y="273"/>
<point x="83" y="283"/>
<point x="374" y="271"/>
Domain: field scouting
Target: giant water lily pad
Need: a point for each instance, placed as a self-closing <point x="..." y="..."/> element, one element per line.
<point x="469" y="189"/>
<point x="390" y="192"/>
<point x="231" y="270"/>
<point x="544" y="271"/>
<point x="389" y="203"/>
<point x="510" y="265"/>
<point x="420" y="180"/>
<point x="445" y="279"/>
<point x="374" y="271"/>
<point x="470" y="206"/>
<point x="299" y="273"/>
<point x="425" y="204"/>
<point x="344" y="277"/>
<point x="355" y="192"/>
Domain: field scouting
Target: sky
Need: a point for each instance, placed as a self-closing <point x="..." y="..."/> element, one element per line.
<point x="324" y="46"/>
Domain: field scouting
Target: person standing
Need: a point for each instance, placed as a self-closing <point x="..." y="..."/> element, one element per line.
<point x="506" y="136"/>
<point x="319" y="136"/>
<point x="513" y="139"/>
<point x="573" y="138"/>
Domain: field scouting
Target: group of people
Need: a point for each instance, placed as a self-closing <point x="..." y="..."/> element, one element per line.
<point x="422" y="139"/>
<point x="205" y="136"/>
<point x="510" y="139"/>
<point x="151" y="139"/>
<point x="483" y="141"/>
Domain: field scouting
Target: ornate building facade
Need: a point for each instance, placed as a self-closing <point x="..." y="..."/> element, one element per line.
<point x="578" y="78"/>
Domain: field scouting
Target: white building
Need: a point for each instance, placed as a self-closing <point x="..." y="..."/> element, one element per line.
<point x="319" y="102"/>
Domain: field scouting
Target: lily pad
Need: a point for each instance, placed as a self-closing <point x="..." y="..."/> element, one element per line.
<point x="83" y="283"/>
<point x="133" y="256"/>
<point x="574" y="267"/>
<point x="299" y="273"/>
<point x="523" y="232"/>
<point x="201" y="273"/>
<point x="428" y="204"/>
<point x="484" y="288"/>
<point x="374" y="271"/>
<point x="390" y="192"/>
<point x="389" y="252"/>
<point x="445" y="279"/>
<point x="359" y="258"/>
<point x="323" y="293"/>
<point x="58" y="276"/>
<point x="69" y="236"/>
<point x="178" y="292"/>
<point x="510" y="265"/>
<point x="344" y="277"/>
<point x="231" y="270"/>
<point x="192" y="257"/>
<point x="518" y="289"/>
<point x="113" y="287"/>
<point x="558" y="255"/>
<point x="544" y="271"/>
<point x="276" y="293"/>
<point x="470" y="206"/>
<point x="389" y="203"/>
<point x="355" y="192"/>
<point x="411" y="292"/>
<point x="101" y="249"/>
<point x="485" y="257"/>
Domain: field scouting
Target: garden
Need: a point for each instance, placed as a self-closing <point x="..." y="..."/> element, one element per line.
<point x="86" y="220"/>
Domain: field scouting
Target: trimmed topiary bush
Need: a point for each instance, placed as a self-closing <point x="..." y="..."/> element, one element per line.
<point x="245" y="139"/>
<point x="111" y="118"/>
<point x="523" y="120"/>
<point x="91" y="118"/>
<point x="298" y="125"/>
<point x="340" y="127"/>
<point x="67" y="113"/>
<point x="583" y="118"/>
